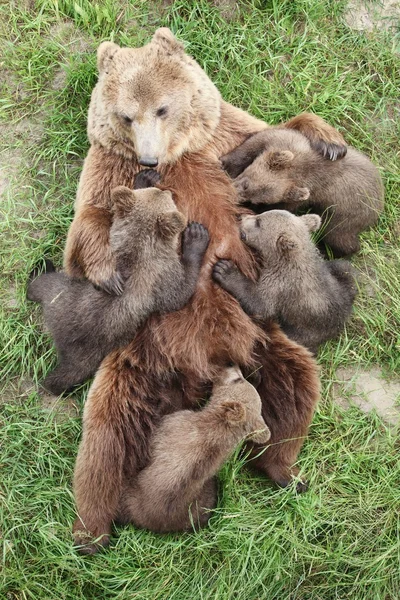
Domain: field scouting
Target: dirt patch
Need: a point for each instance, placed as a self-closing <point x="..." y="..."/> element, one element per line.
<point x="368" y="390"/>
<point x="19" y="390"/>
<point x="228" y="9"/>
<point x="61" y="408"/>
<point x="70" y="38"/>
<point x="367" y="16"/>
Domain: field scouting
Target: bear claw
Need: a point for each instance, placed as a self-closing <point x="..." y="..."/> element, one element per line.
<point x="114" y="285"/>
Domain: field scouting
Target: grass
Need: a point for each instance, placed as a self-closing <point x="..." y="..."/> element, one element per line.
<point x="274" y="59"/>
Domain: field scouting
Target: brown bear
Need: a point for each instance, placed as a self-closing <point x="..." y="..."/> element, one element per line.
<point x="178" y="488"/>
<point x="155" y="105"/>
<point x="278" y="166"/>
<point x="87" y="323"/>
<point x="310" y="298"/>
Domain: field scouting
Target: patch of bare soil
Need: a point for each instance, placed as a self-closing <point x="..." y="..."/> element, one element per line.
<point x="368" y="390"/>
<point x="365" y="15"/>
<point x="228" y="9"/>
<point x="20" y="390"/>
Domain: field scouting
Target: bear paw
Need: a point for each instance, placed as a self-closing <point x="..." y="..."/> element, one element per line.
<point x="114" y="285"/>
<point x="226" y="274"/>
<point x="329" y="150"/>
<point x="146" y="179"/>
<point x="87" y="542"/>
<point x="195" y="240"/>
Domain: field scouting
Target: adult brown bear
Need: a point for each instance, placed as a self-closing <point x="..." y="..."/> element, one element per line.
<point x="155" y="106"/>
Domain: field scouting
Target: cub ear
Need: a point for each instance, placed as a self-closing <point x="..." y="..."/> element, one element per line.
<point x="105" y="54"/>
<point x="286" y="243"/>
<point x="279" y="159"/>
<point x="166" y="40"/>
<point x="297" y="194"/>
<point x="170" y="224"/>
<point x="122" y="200"/>
<point x="312" y="222"/>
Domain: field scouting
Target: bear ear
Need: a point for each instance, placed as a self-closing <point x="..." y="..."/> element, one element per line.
<point x="170" y="224"/>
<point x="286" y="243"/>
<point x="105" y="53"/>
<point x="297" y="194"/>
<point x="279" y="159"/>
<point x="312" y="222"/>
<point x="166" y="40"/>
<point x="122" y="200"/>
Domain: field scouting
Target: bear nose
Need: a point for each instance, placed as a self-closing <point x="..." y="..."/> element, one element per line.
<point x="148" y="161"/>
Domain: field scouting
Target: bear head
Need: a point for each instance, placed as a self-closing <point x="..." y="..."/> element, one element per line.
<point x="153" y="102"/>
<point x="273" y="177"/>
<point x="279" y="235"/>
<point x="241" y="403"/>
<point x="145" y="222"/>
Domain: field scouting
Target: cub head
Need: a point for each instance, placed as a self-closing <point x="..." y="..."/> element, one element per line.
<point x="270" y="179"/>
<point x="153" y="102"/>
<point x="241" y="403"/>
<point x="279" y="234"/>
<point x="143" y="220"/>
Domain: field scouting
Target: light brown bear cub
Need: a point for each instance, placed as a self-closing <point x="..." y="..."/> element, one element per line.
<point x="311" y="298"/>
<point x="176" y="491"/>
<point x="278" y="166"/>
<point x="87" y="323"/>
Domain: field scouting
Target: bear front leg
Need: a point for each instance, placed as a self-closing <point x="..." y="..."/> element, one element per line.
<point x="88" y="252"/>
<point x="235" y="162"/>
<point x="289" y="390"/>
<point x="98" y="470"/>
<point x="324" y="138"/>
<point x="243" y="289"/>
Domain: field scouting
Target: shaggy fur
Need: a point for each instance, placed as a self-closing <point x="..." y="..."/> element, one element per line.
<point x="165" y="368"/>
<point x="178" y="488"/>
<point x="87" y="323"/>
<point x="309" y="297"/>
<point x="282" y="167"/>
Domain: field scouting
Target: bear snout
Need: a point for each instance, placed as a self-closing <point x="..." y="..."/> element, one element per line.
<point x="148" y="161"/>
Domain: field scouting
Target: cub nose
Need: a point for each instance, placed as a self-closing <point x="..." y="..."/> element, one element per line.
<point x="148" y="161"/>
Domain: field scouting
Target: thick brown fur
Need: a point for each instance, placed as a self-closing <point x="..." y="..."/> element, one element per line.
<point x="170" y="360"/>
<point x="282" y="168"/>
<point x="172" y="494"/>
<point x="87" y="323"/>
<point x="309" y="297"/>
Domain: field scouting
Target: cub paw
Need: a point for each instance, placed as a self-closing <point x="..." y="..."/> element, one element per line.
<point x="145" y="179"/>
<point x="225" y="272"/>
<point x="195" y="239"/>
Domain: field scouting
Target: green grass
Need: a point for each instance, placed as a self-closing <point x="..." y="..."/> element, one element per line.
<point x="275" y="59"/>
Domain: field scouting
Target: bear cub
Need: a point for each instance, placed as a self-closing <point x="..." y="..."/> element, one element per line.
<point x="87" y="323"/>
<point x="309" y="297"/>
<point x="279" y="166"/>
<point x="176" y="491"/>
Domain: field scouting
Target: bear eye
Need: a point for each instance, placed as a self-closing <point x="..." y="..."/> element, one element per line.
<point x="258" y="222"/>
<point x="162" y="111"/>
<point x="127" y="119"/>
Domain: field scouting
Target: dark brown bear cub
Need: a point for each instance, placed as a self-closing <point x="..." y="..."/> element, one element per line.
<point x="88" y="323"/>
<point x="311" y="298"/>
<point x="278" y="166"/>
<point x="176" y="491"/>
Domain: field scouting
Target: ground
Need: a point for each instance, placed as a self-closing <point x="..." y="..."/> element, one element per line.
<point x="274" y="59"/>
